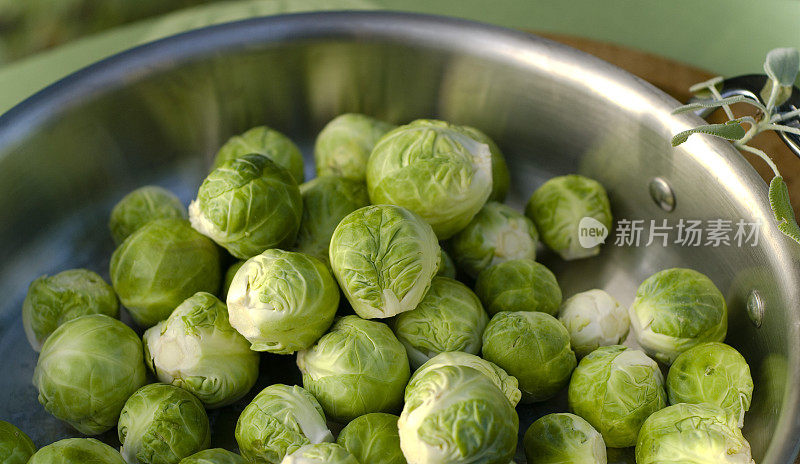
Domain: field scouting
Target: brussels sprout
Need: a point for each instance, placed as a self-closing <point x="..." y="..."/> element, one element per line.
<point x="248" y="205"/>
<point x="197" y="349"/>
<point x="712" y="373"/>
<point x="506" y="383"/>
<point x="534" y="348"/>
<point x="357" y="368"/>
<point x="160" y="265"/>
<point x="496" y="234"/>
<point x="435" y="170"/>
<point x="52" y="301"/>
<point x="455" y="414"/>
<point x="559" y="207"/>
<point x="17" y="448"/>
<point x="594" y="319"/>
<point x="282" y="301"/>
<point x="692" y="433"/>
<point x="518" y="285"/>
<point x="564" y="438"/>
<point x="384" y="258"/>
<point x="214" y="456"/>
<point x="229" y="275"/>
<point x="87" y="369"/>
<point x="447" y="267"/>
<point x="676" y="309"/>
<point x="141" y="206"/>
<point x="77" y="451"/>
<point x="263" y="141"/>
<point x="449" y="318"/>
<point x="373" y="438"/>
<point x="162" y="424"/>
<point x="277" y="422"/>
<point x="344" y="145"/>
<point x="320" y="453"/>
<point x="326" y="201"/>
<point x="501" y="179"/>
<point x="616" y="389"/>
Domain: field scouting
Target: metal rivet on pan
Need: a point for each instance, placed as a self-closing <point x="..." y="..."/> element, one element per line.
<point x="755" y="308"/>
<point x="662" y="194"/>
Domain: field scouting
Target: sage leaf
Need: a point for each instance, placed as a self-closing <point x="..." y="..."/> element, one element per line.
<point x="782" y="65"/>
<point x="784" y="92"/>
<point x="730" y="130"/>
<point x="782" y="208"/>
<point x="696" y="105"/>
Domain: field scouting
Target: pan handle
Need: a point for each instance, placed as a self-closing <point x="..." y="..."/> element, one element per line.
<point x="750" y="85"/>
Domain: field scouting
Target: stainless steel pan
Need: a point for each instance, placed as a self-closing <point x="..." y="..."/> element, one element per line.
<point x="157" y="113"/>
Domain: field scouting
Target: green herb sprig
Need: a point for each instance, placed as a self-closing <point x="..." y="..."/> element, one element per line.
<point x="781" y="66"/>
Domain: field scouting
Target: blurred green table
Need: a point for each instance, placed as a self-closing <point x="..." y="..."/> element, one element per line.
<point x="726" y="36"/>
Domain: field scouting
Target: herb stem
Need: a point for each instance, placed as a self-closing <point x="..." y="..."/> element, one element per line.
<point x="760" y="154"/>
<point x="784" y="116"/>
<point x="718" y="96"/>
<point x="782" y="128"/>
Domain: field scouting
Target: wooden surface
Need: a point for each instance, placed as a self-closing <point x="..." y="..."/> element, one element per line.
<point x="675" y="78"/>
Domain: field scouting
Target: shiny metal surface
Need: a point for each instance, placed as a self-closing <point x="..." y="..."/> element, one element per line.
<point x="157" y="114"/>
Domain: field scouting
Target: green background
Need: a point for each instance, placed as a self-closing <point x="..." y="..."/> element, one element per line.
<point x="725" y="36"/>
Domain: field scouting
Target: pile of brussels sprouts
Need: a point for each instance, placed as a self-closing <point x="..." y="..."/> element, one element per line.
<point x="446" y="324"/>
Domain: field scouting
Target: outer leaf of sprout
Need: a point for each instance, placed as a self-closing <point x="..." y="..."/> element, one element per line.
<point x="447" y="268"/>
<point x="730" y="130"/>
<point x="373" y="438"/>
<point x="384" y="258"/>
<point x="712" y="373"/>
<point x="676" y="309"/>
<point x="498" y="233"/>
<point x="282" y="301"/>
<point x="160" y="265"/>
<point x="455" y="415"/>
<point x="326" y="201"/>
<point x="248" y="205"/>
<point x="54" y="300"/>
<point x="594" y="319"/>
<point x="696" y="433"/>
<point x="564" y="438"/>
<point x="534" y="348"/>
<point x="267" y="142"/>
<point x="142" y="206"/>
<point x="615" y="389"/>
<point x="560" y="205"/>
<point x="433" y="169"/>
<point x="15" y="446"/>
<point x="88" y="368"/>
<point x="508" y="384"/>
<point x="518" y="285"/>
<point x="162" y="423"/>
<point x="277" y="422"/>
<point x="77" y="451"/>
<point x="214" y="456"/>
<point x="358" y="367"/>
<point x="320" y="453"/>
<point x="197" y="349"/>
<point x="449" y="318"/>
<point x="345" y="143"/>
